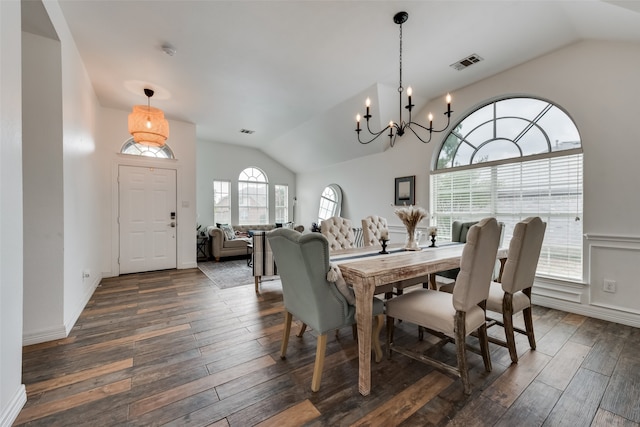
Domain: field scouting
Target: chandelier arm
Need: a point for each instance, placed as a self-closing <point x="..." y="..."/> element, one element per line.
<point x="447" y="125"/>
<point x="392" y="140"/>
<point x="375" y="135"/>
<point x="418" y="136"/>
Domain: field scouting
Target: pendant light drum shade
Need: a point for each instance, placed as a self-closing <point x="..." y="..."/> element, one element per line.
<point x="147" y="124"/>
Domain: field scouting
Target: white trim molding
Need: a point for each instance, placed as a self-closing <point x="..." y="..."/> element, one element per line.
<point x="12" y="410"/>
<point x="612" y="257"/>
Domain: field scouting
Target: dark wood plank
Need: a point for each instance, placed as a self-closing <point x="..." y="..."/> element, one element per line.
<point x="532" y="407"/>
<point x="171" y="348"/>
<point x="579" y="404"/>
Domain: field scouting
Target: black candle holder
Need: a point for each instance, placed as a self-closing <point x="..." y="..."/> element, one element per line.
<point x="383" y="242"/>
<point x="433" y="241"/>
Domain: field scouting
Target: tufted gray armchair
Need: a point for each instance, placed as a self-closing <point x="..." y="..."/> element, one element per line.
<point x="303" y="264"/>
<point x="339" y="233"/>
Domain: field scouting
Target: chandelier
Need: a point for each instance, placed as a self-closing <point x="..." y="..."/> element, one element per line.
<point x="400" y="127"/>
<point x="147" y="124"/>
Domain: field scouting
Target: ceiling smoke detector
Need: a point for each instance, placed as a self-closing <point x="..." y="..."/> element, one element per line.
<point x="466" y="62"/>
<point x="247" y="131"/>
<point x="168" y="49"/>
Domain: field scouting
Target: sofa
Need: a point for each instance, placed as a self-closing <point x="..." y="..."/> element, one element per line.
<point x="222" y="247"/>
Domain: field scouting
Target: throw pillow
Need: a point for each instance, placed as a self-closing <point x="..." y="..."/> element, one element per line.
<point x="229" y="234"/>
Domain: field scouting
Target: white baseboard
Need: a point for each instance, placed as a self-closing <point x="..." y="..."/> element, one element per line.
<point x="597" y="312"/>
<point x="11" y="412"/>
<point x="186" y="265"/>
<point x="69" y="323"/>
<point x="62" y="331"/>
<point x="44" y="335"/>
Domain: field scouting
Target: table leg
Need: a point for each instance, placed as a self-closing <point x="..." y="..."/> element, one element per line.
<point x="364" y="317"/>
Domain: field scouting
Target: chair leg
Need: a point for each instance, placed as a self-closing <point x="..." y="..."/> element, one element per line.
<point x="528" y="323"/>
<point x="302" y="329"/>
<point x="256" y="279"/>
<point x="285" y="335"/>
<point x="390" y="326"/>
<point x="484" y="347"/>
<point x="507" y="320"/>
<point x="375" y="337"/>
<point x="461" y="351"/>
<point x="317" y="367"/>
<point x="528" y="320"/>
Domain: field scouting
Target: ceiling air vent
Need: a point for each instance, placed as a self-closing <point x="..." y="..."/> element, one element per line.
<point x="465" y="62"/>
<point x="247" y="131"/>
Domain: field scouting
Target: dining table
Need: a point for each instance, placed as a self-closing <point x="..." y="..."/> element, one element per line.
<point x="368" y="271"/>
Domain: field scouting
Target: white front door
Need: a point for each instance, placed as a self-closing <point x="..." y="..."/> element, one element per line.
<point x="147" y="219"/>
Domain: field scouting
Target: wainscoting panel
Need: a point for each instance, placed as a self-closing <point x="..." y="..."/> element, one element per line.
<point x="618" y="259"/>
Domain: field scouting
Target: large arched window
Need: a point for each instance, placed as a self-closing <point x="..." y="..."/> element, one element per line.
<point x="135" y="149"/>
<point x="253" y="197"/>
<point x="513" y="158"/>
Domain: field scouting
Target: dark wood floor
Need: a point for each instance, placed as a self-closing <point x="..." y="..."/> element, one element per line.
<point x="170" y="348"/>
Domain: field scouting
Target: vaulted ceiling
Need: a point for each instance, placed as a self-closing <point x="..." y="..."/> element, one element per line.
<point x="297" y="72"/>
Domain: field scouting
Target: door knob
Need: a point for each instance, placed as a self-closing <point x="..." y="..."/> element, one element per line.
<point x="173" y="224"/>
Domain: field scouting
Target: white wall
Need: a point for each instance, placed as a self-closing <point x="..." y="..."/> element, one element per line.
<point x="42" y="163"/>
<point x="596" y="82"/>
<point x="216" y="161"/>
<point x="64" y="170"/>
<point x="113" y="133"/>
<point x="12" y="392"/>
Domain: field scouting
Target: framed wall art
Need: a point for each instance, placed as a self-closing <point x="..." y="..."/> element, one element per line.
<point x="405" y="190"/>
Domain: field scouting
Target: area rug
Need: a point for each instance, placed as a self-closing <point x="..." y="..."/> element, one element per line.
<point x="228" y="273"/>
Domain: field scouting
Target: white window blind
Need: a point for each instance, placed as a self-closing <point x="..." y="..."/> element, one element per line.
<point x="253" y="197"/>
<point x="282" y="203"/>
<point x="222" y="202"/>
<point x="550" y="188"/>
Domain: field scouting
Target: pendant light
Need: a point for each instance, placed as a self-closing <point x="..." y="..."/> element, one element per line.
<point x="147" y="124"/>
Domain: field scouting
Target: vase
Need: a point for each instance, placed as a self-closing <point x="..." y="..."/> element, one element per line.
<point x="411" y="244"/>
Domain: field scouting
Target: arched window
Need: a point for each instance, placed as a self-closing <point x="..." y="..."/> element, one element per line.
<point x="253" y="197"/>
<point x="330" y="202"/>
<point x="135" y="149"/>
<point x="513" y="158"/>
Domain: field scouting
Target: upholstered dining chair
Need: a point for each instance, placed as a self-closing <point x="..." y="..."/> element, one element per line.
<point x="339" y="233"/>
<point x="303" y="264"/>
<point x="513" y="294"/>
<point x="372" y="228"/>
<point x="459" y="230"/>
<point x="452" y="317"/>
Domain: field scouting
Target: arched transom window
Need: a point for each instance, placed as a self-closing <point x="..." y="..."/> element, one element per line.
<point x="513" y="158"/>
<point x="135" y="149"/>
<point x="253" y="197"/>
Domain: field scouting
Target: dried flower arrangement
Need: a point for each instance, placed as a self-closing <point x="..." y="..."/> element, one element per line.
<point x="410" y="217"/>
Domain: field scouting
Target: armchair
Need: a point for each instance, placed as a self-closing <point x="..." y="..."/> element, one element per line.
<point x="303" y="264"/>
